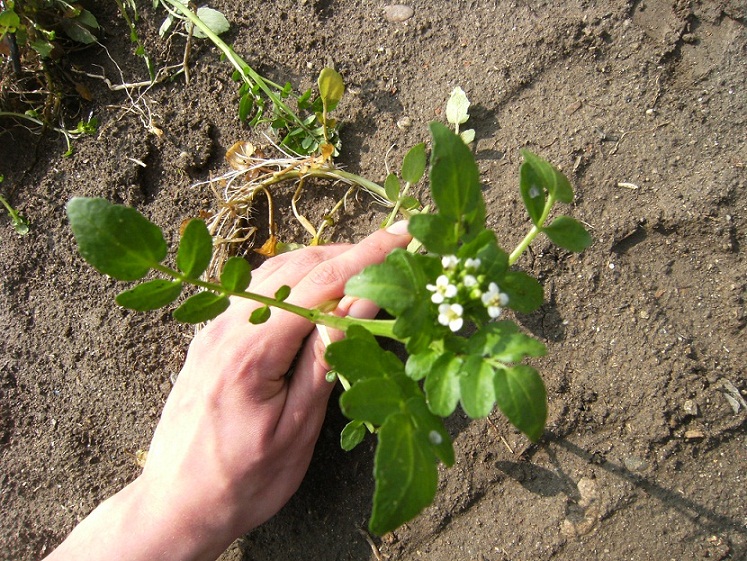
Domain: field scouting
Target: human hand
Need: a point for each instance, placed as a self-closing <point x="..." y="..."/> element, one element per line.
<point x="237" y="434"/>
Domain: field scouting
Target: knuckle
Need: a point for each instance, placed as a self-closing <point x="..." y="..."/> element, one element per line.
<point x="307" y="259"/>
<point x="327" y="274"/>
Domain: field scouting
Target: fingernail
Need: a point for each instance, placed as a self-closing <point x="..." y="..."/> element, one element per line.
<point x="361" y="309"/>
<point x="398" y="228"/>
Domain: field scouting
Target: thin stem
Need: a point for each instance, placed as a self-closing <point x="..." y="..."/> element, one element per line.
<point x="246" y="72"/>
<point x="329" y="173"/>
<point x="378" y="327"/>
<point x="369" y="185"/>
<point x="536" y="229"/>
<point x="397" y="205"/>
<point x="9" y="208"/>
<point x="64" y="132"/>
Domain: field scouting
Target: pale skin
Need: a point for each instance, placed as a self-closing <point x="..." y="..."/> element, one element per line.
<point x="237" y="433"/>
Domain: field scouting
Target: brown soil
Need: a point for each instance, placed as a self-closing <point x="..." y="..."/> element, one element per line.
<point x="644" y="106"/>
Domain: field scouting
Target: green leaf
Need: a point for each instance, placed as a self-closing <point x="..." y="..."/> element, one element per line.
<point x="457" y="107"/>
<point x="372" y="400"/>
<point x="549" y="177"/>
<point x="525" y="293"/>
<point x="494" y="261"/>
<point x="394" y="284"/>
<point x="399" y="286"/>
<point x="521" y="396"/>
<point x="236" y="274"/>
<point x="455" y="181"/>
<point x="477" y="387"/>
<point x="150" y="295"/>
<point x="359" y="357"/>
<point x="502" y="341"/>
<point x="442" y="385"/>
<point x="9" y="21"/>
<point x="419" y="365"/>
<point x="413" y="166"/>
<point x="117" y="240"/>
<point x="436" y="232"/>
<point x="213" y="19"/>
<point x="201" y="307"/>
<point x="532" y="192"/>
<point x="77" y="31"/>
<point x="331" y="88"/>
<point x="87" y="18"/>
<point x="405" y="473"/>
<point x="392" y="187"/>
<point x="246" y="104"/>
<point x="20" y="224"/>
<point x="260" y="315"/>
<point x="195" y="249"/>
<point x="568" y="233"/>
<point x="352" y="435"/>
<point x="43" y="47"/>
<point x="433" y="428"/>
<point x="283" y="292"/>
<point x="410" y="203"/>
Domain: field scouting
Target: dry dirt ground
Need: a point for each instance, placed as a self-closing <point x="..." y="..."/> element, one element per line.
<point x="642" y="103"/>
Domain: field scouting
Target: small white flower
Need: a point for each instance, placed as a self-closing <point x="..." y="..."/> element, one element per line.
<point x="472" y="264"/>
<point x="449" y="262"/>
<point x="494" y="300"/>
<point x="442" y="289"/>
<point x="469" y="281"/>
<point x="451" y="315"/>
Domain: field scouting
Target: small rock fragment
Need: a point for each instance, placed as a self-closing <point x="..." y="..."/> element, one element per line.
<point x="732" y="395"/>
<point x="404" y="123"/>
<point x="397" y="13"/>
<point x="694" y="434"/>
<point x="634" y="463"/>
<point x="690" y="407"/>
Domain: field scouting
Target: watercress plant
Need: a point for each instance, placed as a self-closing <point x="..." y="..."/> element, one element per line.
<point x="446" y="306"/>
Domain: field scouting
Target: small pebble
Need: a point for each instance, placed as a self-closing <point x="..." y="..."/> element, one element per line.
<point x="634" y="463"/>
<point x="690" y="407"/>
<point x="694" y="434"/>
<point x="404" y="123"/>
<point x="398" y="13"/>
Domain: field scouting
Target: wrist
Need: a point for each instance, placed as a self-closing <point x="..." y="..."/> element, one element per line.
<point x="142" y="522"/>
<point x="191" y="527"/>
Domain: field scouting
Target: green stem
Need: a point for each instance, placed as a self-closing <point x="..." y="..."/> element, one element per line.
<point x="247" y="73"/>
<point x="10" y="209"/>
<point x="367" y="184"/>
<point x="536" y="229"/>
<point x="397" y="205"/>
<point x="66" y="133"/>
<point x="327" y="173"/>
<point x="378" y="327"/>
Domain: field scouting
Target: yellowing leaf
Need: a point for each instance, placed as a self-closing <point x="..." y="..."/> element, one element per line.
<point x="331" y="87"/>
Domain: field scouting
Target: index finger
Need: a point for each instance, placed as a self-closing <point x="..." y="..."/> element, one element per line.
<point x="324" y="282"/>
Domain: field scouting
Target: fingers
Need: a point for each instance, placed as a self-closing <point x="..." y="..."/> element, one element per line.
<point x="308" y="389"/>
<point x="308" y="256"/>
<point x="288" y="268"/>
<point x="324" y="282"/>
<point x="261" y="355"/>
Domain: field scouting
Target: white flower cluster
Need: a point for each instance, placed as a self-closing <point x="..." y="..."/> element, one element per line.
<point x="459" y="284"/>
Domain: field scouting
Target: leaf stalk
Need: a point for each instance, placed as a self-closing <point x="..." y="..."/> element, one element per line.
<point x="536" y="229"/>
